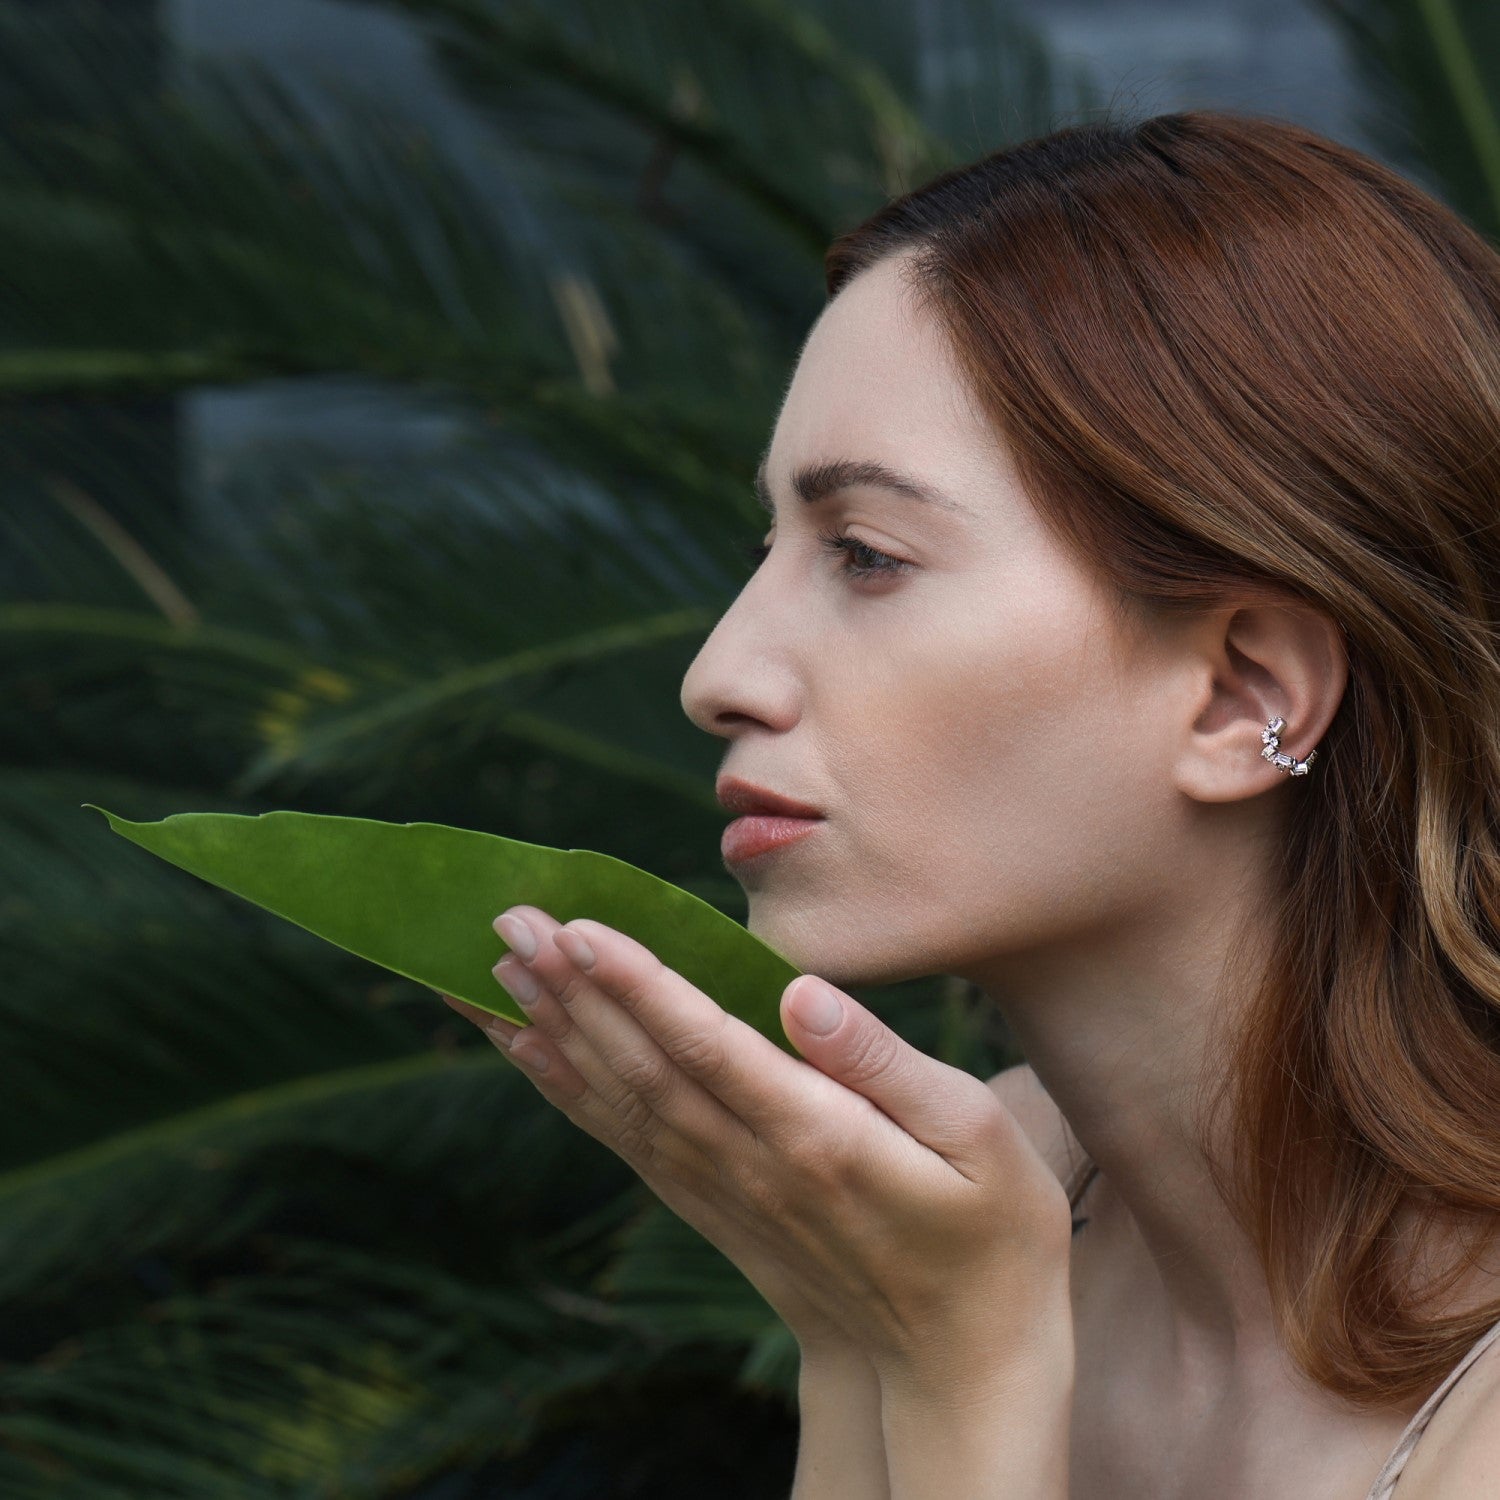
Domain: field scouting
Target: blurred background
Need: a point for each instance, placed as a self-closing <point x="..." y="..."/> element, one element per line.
<point x="381" y="386"/>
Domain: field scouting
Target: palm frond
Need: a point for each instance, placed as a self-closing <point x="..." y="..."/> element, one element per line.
<point x="272" y="1221"/>
<point x="666" y="1278"/>
<point x="322" y="1371"/>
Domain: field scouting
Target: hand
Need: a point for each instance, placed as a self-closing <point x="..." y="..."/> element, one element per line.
<point x="874" y="1196"/>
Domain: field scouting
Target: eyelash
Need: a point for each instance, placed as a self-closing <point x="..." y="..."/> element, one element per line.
<point x="870" y="561"/>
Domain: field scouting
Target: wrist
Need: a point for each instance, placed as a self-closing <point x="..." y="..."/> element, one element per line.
<point x="832" y="1354"/>
<point x="981" y="1428"/>
<point x="840" y="1446"/>
<point x="1040" y="1379"/>
<point x="989" y="1358"/>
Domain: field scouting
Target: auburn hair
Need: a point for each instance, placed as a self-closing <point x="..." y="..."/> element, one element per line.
<point x="1235" y="361"/>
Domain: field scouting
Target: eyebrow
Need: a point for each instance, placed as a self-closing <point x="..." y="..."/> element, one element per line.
<point x="814" y="481"/>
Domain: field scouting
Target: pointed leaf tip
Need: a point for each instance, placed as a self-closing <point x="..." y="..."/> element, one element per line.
<point x="418" y="899"/>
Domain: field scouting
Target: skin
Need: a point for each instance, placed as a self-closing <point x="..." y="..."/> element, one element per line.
<point x="1021" y="791"/>
<point x="1071" y="817"/>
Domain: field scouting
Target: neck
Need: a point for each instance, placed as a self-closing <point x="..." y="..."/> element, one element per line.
<point x="1120" y="1034"/>
<point x="1123" y="1034"/>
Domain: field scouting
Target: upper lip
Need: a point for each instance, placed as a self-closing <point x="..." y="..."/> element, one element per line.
<point x="745" y="797"/>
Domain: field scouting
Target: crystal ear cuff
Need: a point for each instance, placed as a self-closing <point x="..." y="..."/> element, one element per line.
<point x="1271" y="738"/>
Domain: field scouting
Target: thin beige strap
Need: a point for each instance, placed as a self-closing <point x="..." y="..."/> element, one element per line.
<point x="1385" y="1480"/>
<point x="1076" y="1196"/>
<point x="1086" y="1173"/>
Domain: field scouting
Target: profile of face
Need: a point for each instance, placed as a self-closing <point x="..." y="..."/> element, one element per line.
<point x="977" y="733"/>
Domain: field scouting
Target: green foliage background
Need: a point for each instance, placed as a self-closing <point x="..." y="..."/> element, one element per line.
<point x="273" y="1222"/>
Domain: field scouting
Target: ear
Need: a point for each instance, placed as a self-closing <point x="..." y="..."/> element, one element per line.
<point x="1250" y="664"/>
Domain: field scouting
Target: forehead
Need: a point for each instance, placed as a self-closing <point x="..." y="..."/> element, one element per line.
<point x="876" y="379"/>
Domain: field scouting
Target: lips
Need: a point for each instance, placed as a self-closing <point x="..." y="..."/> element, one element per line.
<point x="767" y="820"/>
<point x="745" y="797"/>
<point x="755" y="836"/>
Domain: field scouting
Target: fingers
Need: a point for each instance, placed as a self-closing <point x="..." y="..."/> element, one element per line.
<point x="643" y="1106"/>
<point x="537" y="1055"/>
<point x="630" y="1001"/>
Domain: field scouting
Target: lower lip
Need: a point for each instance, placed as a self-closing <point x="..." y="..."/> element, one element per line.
<point x="757" y="834"/>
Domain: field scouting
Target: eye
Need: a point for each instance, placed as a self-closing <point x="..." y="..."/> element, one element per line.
<point x="860" y="559"/>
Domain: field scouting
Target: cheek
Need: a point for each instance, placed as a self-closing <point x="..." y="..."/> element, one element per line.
<point x="1002" y="796"/>
<point x="995" y="783"/>
<point x="968" y="707"/>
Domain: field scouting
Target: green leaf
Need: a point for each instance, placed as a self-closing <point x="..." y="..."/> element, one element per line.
<point x="419" y="899"/>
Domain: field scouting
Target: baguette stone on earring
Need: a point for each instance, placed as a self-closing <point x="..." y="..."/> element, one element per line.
<point x="1270" y="737"/>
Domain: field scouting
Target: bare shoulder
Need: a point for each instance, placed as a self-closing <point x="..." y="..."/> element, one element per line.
<point x="1021" y="1092"/>
<point x="1459" y="1454"/>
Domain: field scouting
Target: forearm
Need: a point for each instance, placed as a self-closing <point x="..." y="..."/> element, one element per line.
<point x="986" y="1432"/>
<point x="841" y="1446"/>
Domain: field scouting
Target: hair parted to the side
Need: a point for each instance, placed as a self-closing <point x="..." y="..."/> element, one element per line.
<point x="1234" y="361"/>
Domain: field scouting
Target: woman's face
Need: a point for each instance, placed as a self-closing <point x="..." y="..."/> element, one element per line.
<point x="976" y="734"/>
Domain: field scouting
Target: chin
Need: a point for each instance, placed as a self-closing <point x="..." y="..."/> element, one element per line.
<point x="844" y="969"/>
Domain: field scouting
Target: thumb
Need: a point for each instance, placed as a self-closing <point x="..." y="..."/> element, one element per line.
<point x="927" y="1098"/>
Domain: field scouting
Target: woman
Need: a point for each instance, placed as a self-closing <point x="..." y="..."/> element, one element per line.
<point x="1129" y="619"/>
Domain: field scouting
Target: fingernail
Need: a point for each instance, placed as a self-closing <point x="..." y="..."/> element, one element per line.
<point x="498" y="1037"/>
<point x="572" y="945"/>
<point x="519" y="984"/>
<point x="537" y="1061"/>
<point x="517" y="935"/>
<point x="817" y="1008"/>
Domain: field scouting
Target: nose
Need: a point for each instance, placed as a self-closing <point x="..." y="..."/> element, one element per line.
<point x="739" y="674"/>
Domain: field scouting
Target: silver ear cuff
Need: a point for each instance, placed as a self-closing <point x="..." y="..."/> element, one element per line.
<point x="1270" y="737"/>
